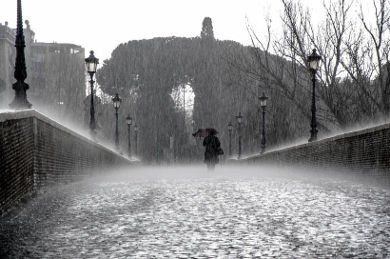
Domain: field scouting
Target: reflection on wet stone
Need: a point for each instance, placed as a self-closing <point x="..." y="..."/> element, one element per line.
<point x="203" y="218"/>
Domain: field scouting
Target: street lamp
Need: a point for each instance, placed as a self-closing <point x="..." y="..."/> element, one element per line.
<point x="91" y="65"/>
<point x="314" y="61"/>
<point x="129" y="120"/>
<point x="20" y="101"/>
<point x="117" y="103"/>
<point x="136" y="139"/>
<point x="263" y="103"/>
<point x="239" y="121"/>
<point x="230" y="130"/>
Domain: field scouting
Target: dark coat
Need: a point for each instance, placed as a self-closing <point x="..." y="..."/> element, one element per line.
<point x="212" y="145"/>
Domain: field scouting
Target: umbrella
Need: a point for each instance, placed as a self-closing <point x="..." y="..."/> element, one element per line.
<point x="202" y="133"/>
<point x="211" y="131"/>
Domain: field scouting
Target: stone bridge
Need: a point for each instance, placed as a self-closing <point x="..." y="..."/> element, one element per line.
<point x="245" y="210"/>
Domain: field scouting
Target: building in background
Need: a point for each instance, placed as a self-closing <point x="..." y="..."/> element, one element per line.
<point x="55" y="73"/>
<point x="57" y="77"/>
<point x="7" y="61"/>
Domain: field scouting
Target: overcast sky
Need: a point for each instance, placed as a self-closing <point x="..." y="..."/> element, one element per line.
<point x="102" y="25"/>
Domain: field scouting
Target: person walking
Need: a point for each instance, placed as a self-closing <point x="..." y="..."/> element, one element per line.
<point x="212" y="148"/>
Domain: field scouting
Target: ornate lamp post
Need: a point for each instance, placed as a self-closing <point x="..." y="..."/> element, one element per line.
<point x="117" y="103"/>
<point x="20" y="74"/>
<point x="91" y="64"/>
<point x="314" y="61"/>
<point x="263" y="103"/>
<point x="136" y="139"/>
<point x="239" y="121"/>
<point x="129" y="120"/>
<point x="230" y="130"/>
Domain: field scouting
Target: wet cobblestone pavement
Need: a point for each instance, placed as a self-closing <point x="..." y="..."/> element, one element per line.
<point x="235" y="213"/>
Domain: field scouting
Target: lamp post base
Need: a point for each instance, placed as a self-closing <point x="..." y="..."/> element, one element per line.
<point x="313" y="137"/>
<point x="93" y="134"/>
<point x="20" y="102"/>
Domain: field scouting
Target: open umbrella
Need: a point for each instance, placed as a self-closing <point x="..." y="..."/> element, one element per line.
<point x="211" y="131"/>
<point x="202" y="133"/>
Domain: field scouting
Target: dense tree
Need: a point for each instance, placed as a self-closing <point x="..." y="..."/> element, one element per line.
<point x="148" y="71"/>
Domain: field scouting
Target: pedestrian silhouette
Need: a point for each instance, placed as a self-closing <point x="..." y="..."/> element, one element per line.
<point x="212" y="148"/>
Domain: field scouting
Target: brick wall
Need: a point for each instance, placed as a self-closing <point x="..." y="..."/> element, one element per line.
<point x="35" y="152"/>
<point x="16" y="159"/>
<point x="364" y="151"/>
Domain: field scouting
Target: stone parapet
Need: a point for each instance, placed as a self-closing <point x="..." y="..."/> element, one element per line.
<point x="36" y="151"/>
<point x="366" y="150"/>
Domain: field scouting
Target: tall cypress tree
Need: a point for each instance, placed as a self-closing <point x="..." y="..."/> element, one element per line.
<point x="207" y="29"/>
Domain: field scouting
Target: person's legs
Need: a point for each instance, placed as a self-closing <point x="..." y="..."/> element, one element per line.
<point x="210" y="165"/>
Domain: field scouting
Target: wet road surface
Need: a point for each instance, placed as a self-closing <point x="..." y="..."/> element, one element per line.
<point x="193" y="213"/>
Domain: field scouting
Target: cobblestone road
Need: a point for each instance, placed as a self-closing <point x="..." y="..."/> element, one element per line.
<point x="192" y="213"/>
